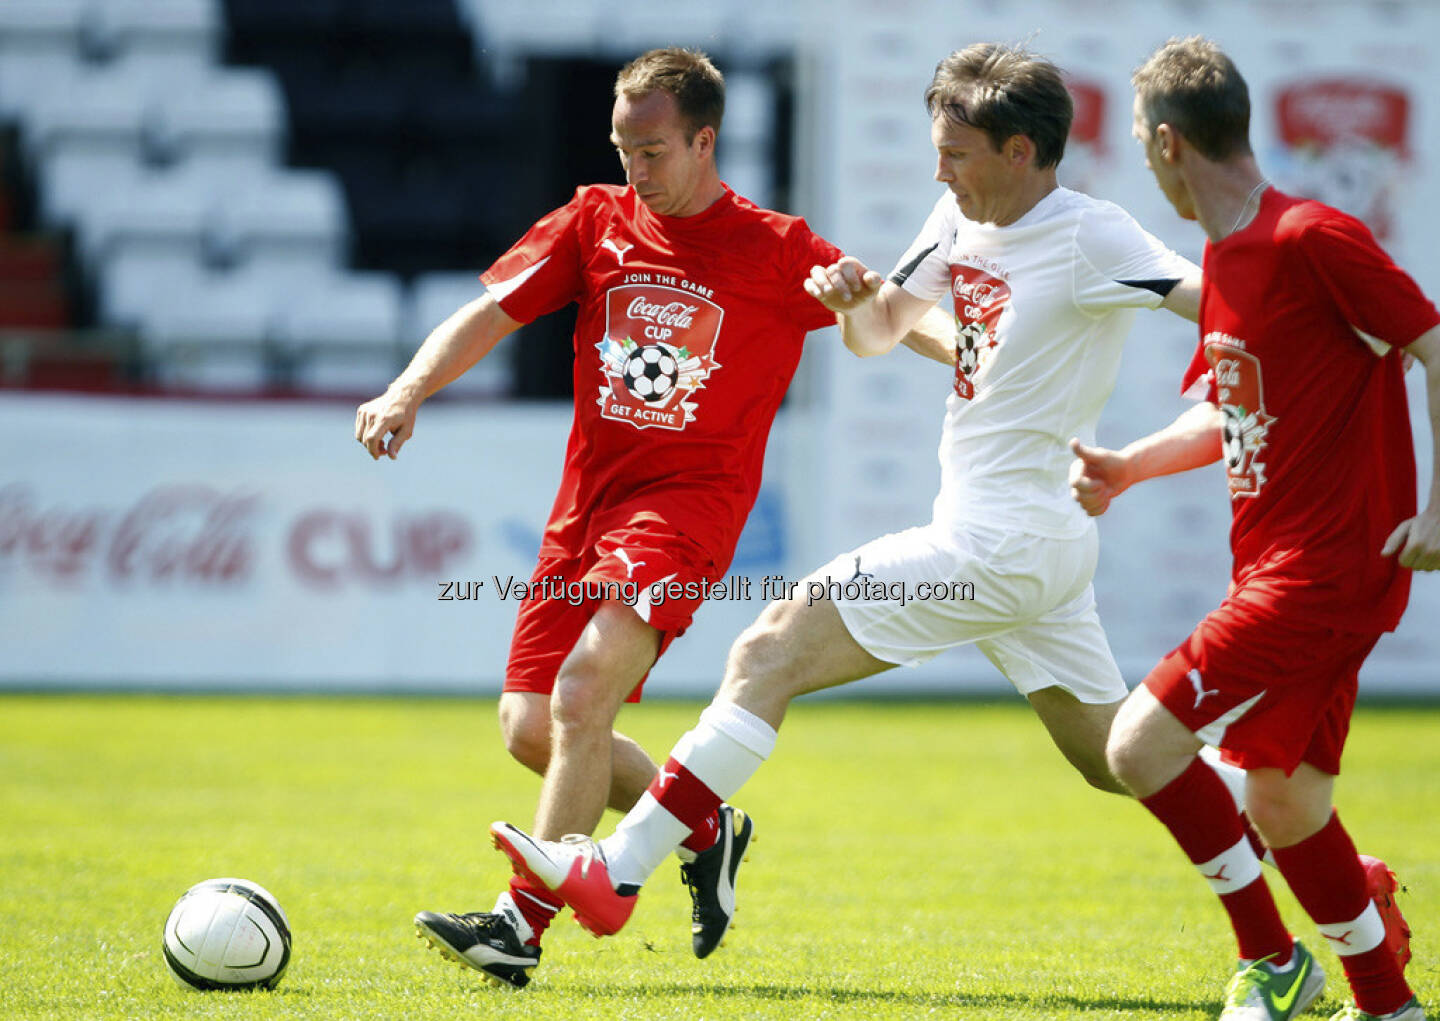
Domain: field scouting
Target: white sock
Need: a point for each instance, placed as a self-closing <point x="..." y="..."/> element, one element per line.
<point x="1358" y="936"/>
<point x="724" y="750"/>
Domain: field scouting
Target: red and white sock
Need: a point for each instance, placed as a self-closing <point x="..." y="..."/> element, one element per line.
<point x="708" y="765"/>
<point x="534" y="905"/>
<point x="1199" y="812"/>
<point x="1325" y="874"/>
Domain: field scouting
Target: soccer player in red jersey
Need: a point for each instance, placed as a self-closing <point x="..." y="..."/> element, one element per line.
<point x="1303" y="322"/>
<point x="691" y="319"/>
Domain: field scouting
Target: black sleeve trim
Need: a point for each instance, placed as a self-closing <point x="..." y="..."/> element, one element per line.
<point x="1160" y="287"/>
<point x="903" y="273"/>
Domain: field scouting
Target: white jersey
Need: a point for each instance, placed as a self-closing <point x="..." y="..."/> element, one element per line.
<point x="1042" y="307"/>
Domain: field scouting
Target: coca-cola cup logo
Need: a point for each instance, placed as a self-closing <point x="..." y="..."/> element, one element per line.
<point x="180" y="533"/>
<point x="675" y="314"/>
<point x="331" y="548"/>
<point x="980" y="294"/>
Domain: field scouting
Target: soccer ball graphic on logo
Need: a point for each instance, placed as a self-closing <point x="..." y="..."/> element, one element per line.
<point x="227" y="934"/>
<point x="1232" y="439"/>
<point x="651" y="373"/>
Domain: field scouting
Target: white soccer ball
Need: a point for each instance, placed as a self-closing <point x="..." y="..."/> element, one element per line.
<point x="227" y="934"/>
<point x="651" y="373"/>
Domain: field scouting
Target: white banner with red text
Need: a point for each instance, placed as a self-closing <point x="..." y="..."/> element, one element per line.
<point x="171" y="544"/>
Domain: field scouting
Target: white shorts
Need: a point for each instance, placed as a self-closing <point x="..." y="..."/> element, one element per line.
<point x="1025" y="601"/>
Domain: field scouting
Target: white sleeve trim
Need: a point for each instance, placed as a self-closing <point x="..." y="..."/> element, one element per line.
<point x="1375" y="344"/>
<point x="502" y="289"/>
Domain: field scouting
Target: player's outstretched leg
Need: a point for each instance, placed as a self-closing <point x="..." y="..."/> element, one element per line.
<point x="495" y="943"/>
<point x="1261" y="991"/>
<point x="574" y="869"/>
<point x="711" y="879"/>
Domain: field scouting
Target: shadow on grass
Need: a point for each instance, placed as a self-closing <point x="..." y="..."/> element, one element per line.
<point x="878" y="997"/>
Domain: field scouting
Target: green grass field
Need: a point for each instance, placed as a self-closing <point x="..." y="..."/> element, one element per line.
<point x="914" y="860"/>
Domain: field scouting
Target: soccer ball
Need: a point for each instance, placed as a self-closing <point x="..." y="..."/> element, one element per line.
<point x="651" y="373"/>
<point x="227" y="934"/>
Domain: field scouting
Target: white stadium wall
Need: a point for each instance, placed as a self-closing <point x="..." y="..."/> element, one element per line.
<point x="174" y="544"/>
<point x="254" y="544"/>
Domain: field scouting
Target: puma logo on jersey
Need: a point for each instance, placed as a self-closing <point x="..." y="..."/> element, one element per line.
<point x="614" y="247"/>
<point x="1201" y="692"/>
<point x="630" y="565"/>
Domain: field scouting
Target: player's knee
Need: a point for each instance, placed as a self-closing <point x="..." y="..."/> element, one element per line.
<point x="525" y="726"/>
<point x="582" y="701"/>
<point x="1282" y="816"/>
<point x="1091" y="762"/>
<point x="1103" y="778"/>
<point x="1124" y="760"/>
<point x="1276" y="819"/>
<point x="757" y="659"/>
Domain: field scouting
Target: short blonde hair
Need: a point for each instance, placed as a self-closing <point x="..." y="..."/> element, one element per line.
<point x="1194" y="87"/>
<point x="688" y="75"/>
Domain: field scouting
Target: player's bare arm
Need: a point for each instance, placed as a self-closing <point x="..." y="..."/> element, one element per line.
<point x="933" y="336"/>
<point x="1098" y="475"/>
<point x="1184" y="299"/>
<point x="384" y="424"/>
<point x="873" y="313"/>
<point x="1417" y="539"/>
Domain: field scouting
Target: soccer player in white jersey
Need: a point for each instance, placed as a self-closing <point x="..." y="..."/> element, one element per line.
<point x="1044" y="281"/>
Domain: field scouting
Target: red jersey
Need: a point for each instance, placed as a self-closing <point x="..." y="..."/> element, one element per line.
<point x="1301" y="316"/>
<point x="689" y="330"/>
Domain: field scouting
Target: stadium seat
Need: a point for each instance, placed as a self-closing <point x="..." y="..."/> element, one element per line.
<point x="40" y="26"/>
<point x="434" y="297"/>
<point x="343" y="336"/>
<point x="210" y="335"/>
<point x="180" y="35"/>
<point x="167" y="209"/>
<point x="99" y="108"/>
<point x="235" y="117"/>
<point x="137" y="280"/>
<point x="296" y="214"/>
<point x="70" y="181"/>
<point x="28" y="75"/>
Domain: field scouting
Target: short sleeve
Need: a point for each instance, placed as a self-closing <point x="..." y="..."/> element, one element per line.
<point x="1120" y="265"/>
<point x="542" y="271"/>
<point x="924" y="269"/>
<point x="806" y="249"/>
<point x="1378" y="299"/>
<point x="1198" y="383"/>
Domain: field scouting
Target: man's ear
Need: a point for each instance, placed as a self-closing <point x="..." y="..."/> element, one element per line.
<point x="1019" y="150"/>
<point x="1168" y="142"/>
<point x="704" y="140"/>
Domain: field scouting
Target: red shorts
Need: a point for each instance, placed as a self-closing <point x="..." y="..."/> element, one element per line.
<point x="660" y="574"/>
<point x="1266" y="691"/>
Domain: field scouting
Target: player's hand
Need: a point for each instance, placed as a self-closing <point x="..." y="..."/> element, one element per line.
<point x="1417" y="540"/>
<point x="844" y="285"/>
<point x="1097" y="476"/>
<point x="383" y="425"/>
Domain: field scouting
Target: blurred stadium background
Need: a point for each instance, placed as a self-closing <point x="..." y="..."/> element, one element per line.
<point x="225" y="222"/>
